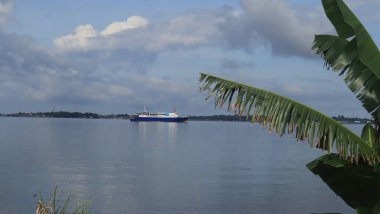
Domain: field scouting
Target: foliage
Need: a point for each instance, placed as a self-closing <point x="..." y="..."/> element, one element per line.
<point x="54" y="205"/>
<point x="355" y="56"/>
<point x="353" y="53"/>
<point x="285" y="115"/>
<point x="357" y="184"/>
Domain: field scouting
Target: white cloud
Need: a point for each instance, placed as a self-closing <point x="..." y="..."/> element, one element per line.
<point x="192" y="29"/>
<point x="5" y="9"/>
<point x="115" y="62"/>
<point x="85" y="38"/>
<point x="131" y="23"/>
<point x="81" y="39"/>
<point x="271" y="23"/>
<point x="114" y="68"/>
<point x="287" y="32"/>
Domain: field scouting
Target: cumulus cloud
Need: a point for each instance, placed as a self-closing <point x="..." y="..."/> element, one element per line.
<point x="23" y="65"/>
<point x="35" y="78"/>
<point x="5" y="9"/>
<point x="132" y="22"/>
<point x="113" y="68"/>
<point x="86" y="37"/>
<point x="287" y="32"/>
<point x="270" y="23"/>
<point x="137" y="33"/>
<point x="190" y="30"/>
<point x="81" y="39"/>
<point x="94" y="66"/>
<point x="33" y="74"/>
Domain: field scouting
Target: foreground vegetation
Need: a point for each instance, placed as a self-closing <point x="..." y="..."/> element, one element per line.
<point x="352" y="167"/>
<point x="56" y="205"/>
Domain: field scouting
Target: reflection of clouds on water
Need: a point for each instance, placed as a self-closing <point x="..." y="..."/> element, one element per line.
<point x="143" y="131"/>
<point x="125" y="167"/>
<point x="79" y="156"/>
<point x="172" y="132"/>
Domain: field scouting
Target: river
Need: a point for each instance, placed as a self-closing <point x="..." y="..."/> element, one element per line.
<point x="128" y="167"/>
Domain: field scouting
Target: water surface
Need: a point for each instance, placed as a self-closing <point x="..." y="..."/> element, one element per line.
<point x="127" y="167"/>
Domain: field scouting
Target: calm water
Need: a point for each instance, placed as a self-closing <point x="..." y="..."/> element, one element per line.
<point x="125" y="167"/>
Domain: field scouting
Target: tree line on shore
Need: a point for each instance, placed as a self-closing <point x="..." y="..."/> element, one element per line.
<point x="89" y="115"/>
<point x="66" y="114"/>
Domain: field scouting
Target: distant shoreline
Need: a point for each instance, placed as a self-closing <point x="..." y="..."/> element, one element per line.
<point x="87" y="115"/>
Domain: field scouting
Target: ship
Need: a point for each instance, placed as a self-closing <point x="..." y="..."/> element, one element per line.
<point x="161" y="117"/>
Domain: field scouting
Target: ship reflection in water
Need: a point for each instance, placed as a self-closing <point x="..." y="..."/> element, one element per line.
<point x="159" y="131"/>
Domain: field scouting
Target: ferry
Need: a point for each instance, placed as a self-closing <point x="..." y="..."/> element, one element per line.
<point x="162" y="117"/>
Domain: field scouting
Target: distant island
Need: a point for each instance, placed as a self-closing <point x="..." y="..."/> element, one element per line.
<point x="66" y="114"/>
<point x="88" y="115"/>
<point x="339" y="118"/>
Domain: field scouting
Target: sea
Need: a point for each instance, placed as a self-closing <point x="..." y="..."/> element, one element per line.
<point x="118" y="166"/>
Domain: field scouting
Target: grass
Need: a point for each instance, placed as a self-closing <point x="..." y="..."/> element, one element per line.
<point x="55" y="205"/>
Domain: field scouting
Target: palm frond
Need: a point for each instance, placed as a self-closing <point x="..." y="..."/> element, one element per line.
<point x="352" y="53"/>
<point x="284" y="115"/>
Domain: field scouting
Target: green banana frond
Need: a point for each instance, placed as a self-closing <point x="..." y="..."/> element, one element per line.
<point x="283" y="115"/>
<point x="353" y="54"/>
<point x="357" y="184"/>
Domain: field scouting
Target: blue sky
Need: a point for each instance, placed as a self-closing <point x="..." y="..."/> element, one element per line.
<point x="117" y="56"/>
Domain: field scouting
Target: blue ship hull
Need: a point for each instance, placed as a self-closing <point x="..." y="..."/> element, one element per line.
<point x="157" y="119"/>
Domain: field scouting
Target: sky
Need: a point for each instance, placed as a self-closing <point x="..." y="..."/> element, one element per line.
<point x="118" y="56"/>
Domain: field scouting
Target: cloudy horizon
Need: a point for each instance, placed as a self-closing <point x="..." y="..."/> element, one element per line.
<point x="117" y="57"/>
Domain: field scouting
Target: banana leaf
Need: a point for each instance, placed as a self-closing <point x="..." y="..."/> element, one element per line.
<point x="357" y="184"/>
<point x="352" y="53"/>
<point x="284" y="115"/>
